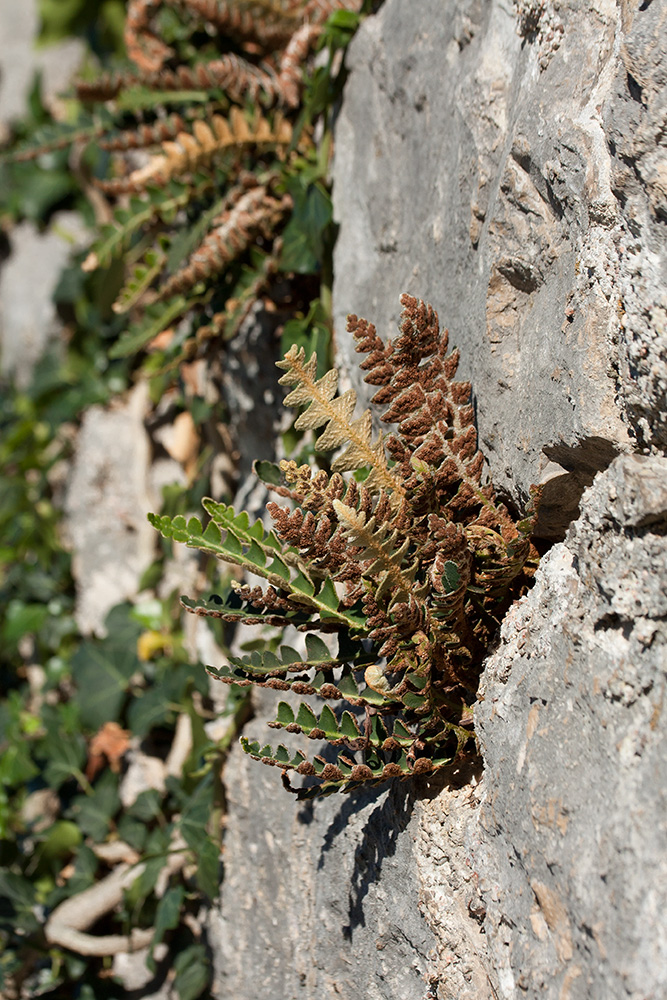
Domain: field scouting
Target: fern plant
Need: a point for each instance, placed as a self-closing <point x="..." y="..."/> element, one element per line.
<point x="400" y="554"/>
<point x="205" y="149"/>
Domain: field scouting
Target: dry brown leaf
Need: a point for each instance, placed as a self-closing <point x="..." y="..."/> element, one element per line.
<point x="110" y="744"/>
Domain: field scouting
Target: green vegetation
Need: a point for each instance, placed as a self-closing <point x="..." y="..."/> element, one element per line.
<point x="78" y="712"/>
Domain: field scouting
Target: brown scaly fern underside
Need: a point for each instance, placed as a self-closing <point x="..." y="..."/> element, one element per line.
<point x="205" y="135"/>
<point x="401" y="554"/>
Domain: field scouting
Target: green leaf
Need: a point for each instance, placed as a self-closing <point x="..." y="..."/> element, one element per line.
<point x="328" y="722"/>
<point x="268" y="472"/>
<point x="349" y="727"/>
<point x="17" y="899"/>
<point x="306" y="718"/>
<point x="304" y="236"/>
<point x="133" y="831"/>
<point x="93" y="813"/>
<point x="147" y="805"/>
<point x="347" y="19"/>
<point x="156" y="319"/>
<point x="65" y="757"/>
<point x="167" y="916"/>
<point x="285" y="714"/>
<point x="192" y="972"/>
<point x="208" y="868"/>
<point x="22" y="619"/>
<point x="102" y="671"/>
<point x="451" y="577"/>
<point x="196" y="815"/>
<point x="316" y="649"/>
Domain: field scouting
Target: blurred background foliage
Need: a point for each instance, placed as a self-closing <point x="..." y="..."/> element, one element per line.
<point x="77" y="710"/>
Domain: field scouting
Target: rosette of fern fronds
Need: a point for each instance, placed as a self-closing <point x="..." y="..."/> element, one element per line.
<point x="399" y="554"/>
<point x="206" y="152"/>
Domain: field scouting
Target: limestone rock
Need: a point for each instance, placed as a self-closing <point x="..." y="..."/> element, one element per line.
<point x="572" y="849"/>
<point x="316" y="898"/>
<point x="106" y="504"/>
<point x="484" y="162"/>
<point x="504" y="162"/>
<point x="28" y="278"/>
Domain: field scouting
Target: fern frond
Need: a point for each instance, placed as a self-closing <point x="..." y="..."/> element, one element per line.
<point x="231" y="537"/>
<point x="144" y="47"/>
<point x="323" y="408"/>
<point x="156" y="318"/>
<point x="143" y="136"/>
<point x="320" y="685"/>
<point x="324" y="727"/>
<point x="255" y="211"/>
<point x="380" y="545"/>
<point x="106" y="86"/>
<point x="268" y="22"/>
<point x="237" y="77"/>
<point x="252" y="282"/>
<point x="234" y="608"/>
<point x="411" y="568"/>
<point x="435" y="420"/>
<point x="53" y="137"/>
<point x="288" y="81"/>
<point x="345" y="775"/>
<point x="141" y="279"/>
<point x="192" y="151"/>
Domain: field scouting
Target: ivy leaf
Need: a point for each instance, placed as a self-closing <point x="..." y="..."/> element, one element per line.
<point x="102" y="671"/>
<point x="196" y="815"/>
<point x="304" y="236"/>
<point x="146" y="806"/>
<point x="133" y="831"/>
<point x="17" y="899"/>
<point x="192" y="972"/>
<point x="93" y="813"/>
<point x="208" y="868"/>
<point x="65" y="757"/>
<point x="167" y="916"/>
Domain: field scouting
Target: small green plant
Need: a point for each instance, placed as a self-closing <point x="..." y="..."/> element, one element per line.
<point x="400" y="555"/>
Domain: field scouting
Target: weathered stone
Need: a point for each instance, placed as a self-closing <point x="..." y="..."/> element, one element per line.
<point x="572" y="849"/>
<point x="478" y="167"/>
<point x="20" y="60"/>
<point x="474" y="170"/>
<point x="314" y="900"/>
<point x="106" y="504"/>
<point x="28" y="278"/>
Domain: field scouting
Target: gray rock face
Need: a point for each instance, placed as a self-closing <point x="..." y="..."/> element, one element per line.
<point x="499" y="161"/>
<point x="314" y="900"/>
<point x="573" y="837"/>
<point x="485" y="162"/>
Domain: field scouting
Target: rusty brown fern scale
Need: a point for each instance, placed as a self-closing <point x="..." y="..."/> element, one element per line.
<point x="410" y="569"/>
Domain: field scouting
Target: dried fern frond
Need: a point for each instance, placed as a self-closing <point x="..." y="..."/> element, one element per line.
<point x="189" y="152"/>
<point x="411" y="580"/>
<point x="336" y="413"/>
<point x="253" y="212"/>
<point x="194" y="141"/>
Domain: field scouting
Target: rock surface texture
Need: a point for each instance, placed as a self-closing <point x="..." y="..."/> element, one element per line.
<point x="318" y="900"/>
<point x="572" y="847"/>
<point x="108" y="494"/>
<point x="506" y="162"/>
